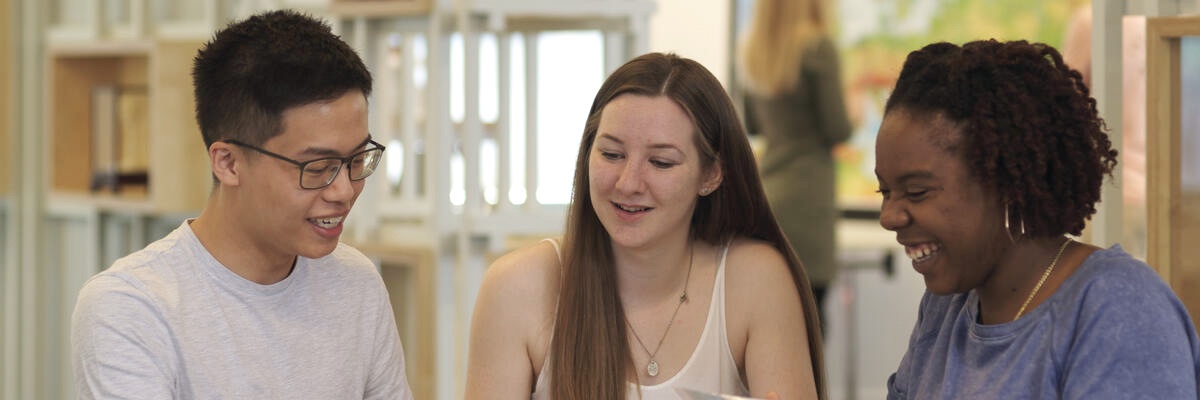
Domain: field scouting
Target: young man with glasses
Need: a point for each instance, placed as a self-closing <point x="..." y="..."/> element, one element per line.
<point x="256" y="298"/>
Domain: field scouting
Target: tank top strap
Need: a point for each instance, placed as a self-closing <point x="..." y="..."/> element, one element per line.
<point x="557" y="250"/>
<point x="540" y="384"/>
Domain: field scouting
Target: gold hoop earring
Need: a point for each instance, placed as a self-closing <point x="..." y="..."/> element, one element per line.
<point x="1008" y="227"/>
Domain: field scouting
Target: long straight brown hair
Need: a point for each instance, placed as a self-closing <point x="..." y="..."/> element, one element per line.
<point x="589" y="351"/>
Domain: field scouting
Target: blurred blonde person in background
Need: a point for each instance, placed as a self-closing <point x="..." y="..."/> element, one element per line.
<point x="794" y="99"/>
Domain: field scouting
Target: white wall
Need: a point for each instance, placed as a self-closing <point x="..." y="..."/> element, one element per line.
<point x="696" y="29"/>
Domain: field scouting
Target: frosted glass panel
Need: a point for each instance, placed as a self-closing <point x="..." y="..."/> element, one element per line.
<point x="571" y="68"/>
<point x="1132" y="146"/>
<point x="1186" y="219"/>
<point x="1189" y="51"/>
<point x="1189" y="152"/>
<point x="116" y="12"/>
<point x="176" y="10"/>
<point x="70" y="12"/>
<point x="517" y="123"/>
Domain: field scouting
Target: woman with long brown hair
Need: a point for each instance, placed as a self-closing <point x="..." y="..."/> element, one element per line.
<point x="673" y="272"/>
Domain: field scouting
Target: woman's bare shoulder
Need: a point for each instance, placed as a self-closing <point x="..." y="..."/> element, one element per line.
<point x="755" y="268"/>
<point x="526" y="274"/>
<point x="510" y="327"/>
<point x="753" y="255"/>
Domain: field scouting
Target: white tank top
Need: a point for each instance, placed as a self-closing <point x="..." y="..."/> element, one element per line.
<point x="710" y="368"/>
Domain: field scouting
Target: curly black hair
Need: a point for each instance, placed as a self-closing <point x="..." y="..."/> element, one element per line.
<point x="1029" y="129"/>
<point x="255" y="69"/>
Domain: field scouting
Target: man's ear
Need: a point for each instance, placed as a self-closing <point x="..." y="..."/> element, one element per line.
<point x="225" y="163"/>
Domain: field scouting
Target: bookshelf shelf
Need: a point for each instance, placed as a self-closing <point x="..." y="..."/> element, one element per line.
<point x="125" y="107"/>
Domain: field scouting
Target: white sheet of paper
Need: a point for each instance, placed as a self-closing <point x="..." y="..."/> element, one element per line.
<point x="692" y="394"/>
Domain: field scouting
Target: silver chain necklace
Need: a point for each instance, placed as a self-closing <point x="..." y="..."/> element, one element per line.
<point x="652" y="366"/>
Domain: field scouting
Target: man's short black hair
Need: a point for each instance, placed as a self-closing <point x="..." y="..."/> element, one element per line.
<point x="254" y="70"/>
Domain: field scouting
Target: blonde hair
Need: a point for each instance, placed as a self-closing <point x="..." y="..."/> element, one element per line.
<point x="774" y="43"/>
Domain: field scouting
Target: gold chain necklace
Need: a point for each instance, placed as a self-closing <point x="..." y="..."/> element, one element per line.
<point x="1043" y="280"/>
<point x="652" y="366"/>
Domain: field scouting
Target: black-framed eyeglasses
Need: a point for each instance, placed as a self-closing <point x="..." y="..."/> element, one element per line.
<point x="319" y="173"/>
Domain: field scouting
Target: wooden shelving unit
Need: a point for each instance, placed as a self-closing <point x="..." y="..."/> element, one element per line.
<point x="381" y="7"/>
<point x="170" y="145"/>
<point x="7" y="94"/>
<point x="1173" y="206"/>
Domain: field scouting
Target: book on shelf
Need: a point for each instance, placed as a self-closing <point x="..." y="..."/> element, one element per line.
<point x="120" y="137"/>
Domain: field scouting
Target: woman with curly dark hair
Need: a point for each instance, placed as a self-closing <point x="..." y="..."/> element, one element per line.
<point x="989" y="155"/>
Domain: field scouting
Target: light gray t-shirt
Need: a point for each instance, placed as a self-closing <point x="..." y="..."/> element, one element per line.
<point x="170" y="322"/>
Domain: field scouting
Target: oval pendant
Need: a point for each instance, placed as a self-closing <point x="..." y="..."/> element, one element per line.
<point x="652" y="368"/>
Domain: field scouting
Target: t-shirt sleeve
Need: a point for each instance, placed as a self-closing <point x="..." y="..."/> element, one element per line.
<point x="897" y="382"/>
<point x="1134" y="340"/>
<point x="387" y="378"/>
<point x="121" y="347"/>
